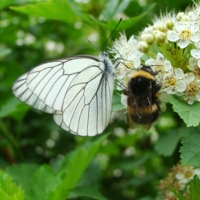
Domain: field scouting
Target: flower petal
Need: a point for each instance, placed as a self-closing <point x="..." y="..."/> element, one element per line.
<point x="173" y="36"/>
<point x="195" y="53"/>
<point x="179" y="73"/>
<point x="167" y="65"/>
<point x="124" y="100"/>
<point x="180" y="86"/>
<point x="183" y="43"/>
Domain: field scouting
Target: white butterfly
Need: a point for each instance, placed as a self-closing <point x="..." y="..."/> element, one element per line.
<point x="76" y="90"/>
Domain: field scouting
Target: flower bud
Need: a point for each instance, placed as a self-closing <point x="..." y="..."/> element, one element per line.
<point x="170" y="24"/>
<point x="160" y="37"/>
<point x="149" y="38"/>
<point x="180" y="16"/>
<point x="143" y="46"/>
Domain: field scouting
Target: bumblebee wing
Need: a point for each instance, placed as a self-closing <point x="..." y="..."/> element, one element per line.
<point x="134" y="125"/>
<point x="131" y="123"/>
<point x="146" y="126"/>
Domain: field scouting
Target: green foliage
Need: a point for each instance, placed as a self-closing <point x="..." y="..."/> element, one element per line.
<point x="45" y="183"/>
<point x="54" y="9"/>
<point x="190" y="151"/>
<point x="178" y="195"/>
<point x="171" y="137"/>
<point x="125" y="23"/>
<point x="22" y="174"/>
<point x="72" y="168"/>
<point x="189" y="114"/>
<point x="194" y="188"/>
<point x="117" y="103"/>
<point x="11" y="107"/>
<point x="8" y="189"/>
<point x="41" y="161"/>
<point x="87" y="192"/>
<point x="5" y="3"/>
<point x="4" y="52"/>
<point x="193" y="193"/>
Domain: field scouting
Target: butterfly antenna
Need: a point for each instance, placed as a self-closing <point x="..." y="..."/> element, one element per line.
<point x="94" y="46"/>
<point x="112" y="33"/>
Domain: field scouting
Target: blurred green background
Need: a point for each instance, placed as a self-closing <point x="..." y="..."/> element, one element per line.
<point x="130" y="163"/>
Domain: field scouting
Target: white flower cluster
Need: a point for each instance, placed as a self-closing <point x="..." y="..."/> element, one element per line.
<point x="178" y="178"/>
<point x="172" y="47"/>
<point x="127" y="57"/>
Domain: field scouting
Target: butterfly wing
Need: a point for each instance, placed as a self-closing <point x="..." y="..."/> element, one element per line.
<point x="88" y="116"/>
<point x="77" y="90"/>
<point x="24" y="94"/>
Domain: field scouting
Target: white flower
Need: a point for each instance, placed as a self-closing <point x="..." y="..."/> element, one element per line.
<point x="171" y="47"/>
<point x="160" y="61"/>
<point x="179" y="73"/>
<point x="180" y="86"/>
<point x="127" y="58"/>
<point x="173" y="82"/>
<point x="147" y="30"/>
<point x="192" y="92"/>
<point x="189" y="77"/>
<point x="195" y="16"/>
<point x="127" y="50"/>
<point x="195" y="54"/>
<point x="193" y="63"/>
<point x="197" y="172"/>
<point x="182" y="79"/>
<point x="183" y="33"/>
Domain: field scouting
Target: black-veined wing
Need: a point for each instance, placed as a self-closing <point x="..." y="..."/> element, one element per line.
<point x="77" y="90"/>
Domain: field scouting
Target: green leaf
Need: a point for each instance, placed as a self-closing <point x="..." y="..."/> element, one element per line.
<point x="136" y="163"/>
<point x="189" y="113"/>
<point x="194" y="188"/>
<point x="73" y="167"/>
<point x="53" y="9"/>
<point x="11" y="107"/>
<point x="88" y="179"/>
<point x="87" y="192"/>
<point x="22" y="174"/>
<point x="43" y="181"/>
<point x="5" y="3"/>
<point x="8" y="189"/>
<point x="109" y="10"/>
<point x="167" y="142"/>
<point x="178" y="195"/>
<point x="121" y="7"/>
<point x="116" y="103"/>
<point x="125" y="23"/>
<point x="5" y="52"/>
<point x="190" y="151"/>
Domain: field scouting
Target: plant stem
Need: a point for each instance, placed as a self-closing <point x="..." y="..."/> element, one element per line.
<point x="11" y="140"/>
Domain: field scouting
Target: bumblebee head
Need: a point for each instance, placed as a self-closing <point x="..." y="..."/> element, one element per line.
<point x="147" y="69"/>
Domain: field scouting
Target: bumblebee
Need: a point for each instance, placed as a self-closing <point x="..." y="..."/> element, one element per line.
<point x="142" y="100"/>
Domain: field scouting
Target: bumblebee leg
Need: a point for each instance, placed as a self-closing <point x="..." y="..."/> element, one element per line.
<point x="125" y="92"/>
<point x="158" y="104"/>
